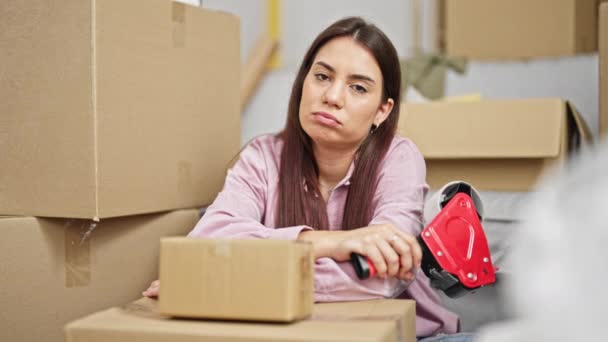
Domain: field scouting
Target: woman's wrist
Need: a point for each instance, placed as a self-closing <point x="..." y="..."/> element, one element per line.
<point x="324" y="242"/>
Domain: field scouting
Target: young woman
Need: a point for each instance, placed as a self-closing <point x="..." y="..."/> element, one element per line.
<point x="339" y="177"/>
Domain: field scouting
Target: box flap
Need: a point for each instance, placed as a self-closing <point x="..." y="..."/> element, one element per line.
<point x="523" y="128"/>
<point x="579" y="132"/>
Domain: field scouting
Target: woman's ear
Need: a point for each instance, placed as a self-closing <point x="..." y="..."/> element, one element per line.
<point x="383" y="111"/>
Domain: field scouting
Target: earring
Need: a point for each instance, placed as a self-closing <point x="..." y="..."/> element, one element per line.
<point x="373" y="129"/>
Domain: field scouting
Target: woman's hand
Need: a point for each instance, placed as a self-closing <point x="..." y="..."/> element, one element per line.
<point x="393" y="252"/>
<point x="152" y="291"/>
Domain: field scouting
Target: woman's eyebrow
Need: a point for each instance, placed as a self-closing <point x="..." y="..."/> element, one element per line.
<point x="362" y="78"/>
<point x="326" y="66"/>
<point x="353" y="76"/>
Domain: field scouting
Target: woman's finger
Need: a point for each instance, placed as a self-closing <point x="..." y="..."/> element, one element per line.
<point x="406" y="275"/>
<point x="416" y="251"/>
<point x="374" y="254"/>
<point x="391" y="258"/>
<point x="152" y="290"/>
<point x="405" y="254"/>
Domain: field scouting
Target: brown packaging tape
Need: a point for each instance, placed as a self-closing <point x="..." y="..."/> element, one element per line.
<point x="77" y="252"/>
<point x="178" y="14"/>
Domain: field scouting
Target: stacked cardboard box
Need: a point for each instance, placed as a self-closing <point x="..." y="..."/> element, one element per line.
<point x="256" y="280"/>
<point x="374" y="320"/>
<point x="499" y="145"/>
<point x="56" y="270"/>
<point x="113" y="108"/>
<point x="115" y="115"/>
<point x="497" y="29"/>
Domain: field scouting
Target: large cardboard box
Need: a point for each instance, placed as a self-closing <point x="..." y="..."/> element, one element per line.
<point x="113" y="108"/>
<point x="260" y="280"/>
<point x="499" y="145"/>
<point x="56" y="270"/>
<point x="498" y="29"/>
<point x="375" y="320"/>
<point x="603" y="42"/>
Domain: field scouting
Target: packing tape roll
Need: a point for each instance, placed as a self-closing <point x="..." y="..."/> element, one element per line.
<point x="433" y="205"/>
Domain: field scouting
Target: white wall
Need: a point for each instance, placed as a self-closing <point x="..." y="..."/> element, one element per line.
<point x="303" y="20"/>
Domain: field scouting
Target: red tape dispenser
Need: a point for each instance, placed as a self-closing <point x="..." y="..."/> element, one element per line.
<point x="455" y="252"/>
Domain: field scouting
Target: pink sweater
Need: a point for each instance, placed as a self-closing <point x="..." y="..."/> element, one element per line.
<point x="246" y="208"/>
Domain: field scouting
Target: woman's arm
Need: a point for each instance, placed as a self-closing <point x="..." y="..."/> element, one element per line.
<point x="398" y="203"/>
<point x="392" y="251"/>
<point x="238" y="210"/>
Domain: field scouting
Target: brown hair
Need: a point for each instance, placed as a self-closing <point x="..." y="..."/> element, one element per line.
<point x="299" y="200"/>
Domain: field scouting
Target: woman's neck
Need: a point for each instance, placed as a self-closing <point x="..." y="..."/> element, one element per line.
<point x="333" y="164"/>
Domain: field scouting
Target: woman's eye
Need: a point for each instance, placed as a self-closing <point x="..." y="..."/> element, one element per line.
<point x="321" y="77"/>
<point x="359" y="88"/>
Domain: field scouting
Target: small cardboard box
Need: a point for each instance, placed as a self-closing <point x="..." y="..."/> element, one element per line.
<point x="386" y="320"/>
<point x="113" y="108"/>
<point x="499" y="145"/>
<point x="56" y="270"/>
<point x="262" y="280"/>
<point x="603" y="124"/>
<point x="513" y="29"/>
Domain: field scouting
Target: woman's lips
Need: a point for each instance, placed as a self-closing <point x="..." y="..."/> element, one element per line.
<point x="327" y="119"/>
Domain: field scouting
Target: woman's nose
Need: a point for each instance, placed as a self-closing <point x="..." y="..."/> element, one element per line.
<point x="334" y="96"/>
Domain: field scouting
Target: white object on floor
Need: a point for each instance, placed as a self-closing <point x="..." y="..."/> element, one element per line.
<point x="559" y="258"/>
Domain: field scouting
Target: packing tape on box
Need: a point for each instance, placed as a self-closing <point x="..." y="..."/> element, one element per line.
<point x="78" y="252"/>
<point x="222" y="249"/>
<point x="178" y="15"/>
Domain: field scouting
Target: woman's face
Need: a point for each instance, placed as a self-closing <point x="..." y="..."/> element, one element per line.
<point x="342" y="95"/>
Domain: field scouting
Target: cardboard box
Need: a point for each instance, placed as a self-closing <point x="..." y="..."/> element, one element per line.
<point x="603" y="42"/>
<point x="499" y="145"/>
<point x="377" y="320"/>
<point x="113" y="108"/>
<point x="56" y="270"/>
<point x="261" y="280"/>
<point x="498" y="29"/>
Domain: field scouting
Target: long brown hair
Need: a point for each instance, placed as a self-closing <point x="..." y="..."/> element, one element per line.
<point x="299" y="201"/>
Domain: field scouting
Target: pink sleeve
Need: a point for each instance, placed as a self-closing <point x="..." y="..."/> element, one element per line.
<point x="238" y="210"/>
<point x="398" y="200"/>
<point x="401" y="189"/>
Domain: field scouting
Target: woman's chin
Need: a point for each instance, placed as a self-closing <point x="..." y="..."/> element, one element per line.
<point x="324" y="138"/>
